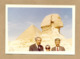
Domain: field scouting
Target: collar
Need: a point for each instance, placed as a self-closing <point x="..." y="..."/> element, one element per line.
<point x="56" y="48"/>
<point x="36" y="45"/>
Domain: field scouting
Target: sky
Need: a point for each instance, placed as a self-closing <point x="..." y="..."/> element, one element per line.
<point x="19" y="19"/>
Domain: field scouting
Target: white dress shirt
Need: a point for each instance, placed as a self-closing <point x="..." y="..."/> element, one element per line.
<point x="56" y="48"/>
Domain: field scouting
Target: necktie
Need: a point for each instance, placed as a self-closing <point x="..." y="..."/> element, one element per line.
<point x="57" y="49"/>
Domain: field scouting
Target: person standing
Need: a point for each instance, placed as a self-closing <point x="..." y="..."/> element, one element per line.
<point x="58" y="47"/>
<point x="37" y="46"/>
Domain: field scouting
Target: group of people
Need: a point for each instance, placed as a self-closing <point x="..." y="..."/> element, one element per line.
<point x="38" y="47"/>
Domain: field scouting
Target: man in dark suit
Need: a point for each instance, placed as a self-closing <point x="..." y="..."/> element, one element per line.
<point x="58" y="47"/>
<point x="37" y="46"/>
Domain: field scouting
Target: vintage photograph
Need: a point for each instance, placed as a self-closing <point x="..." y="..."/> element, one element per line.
<point x="40" y="29"/>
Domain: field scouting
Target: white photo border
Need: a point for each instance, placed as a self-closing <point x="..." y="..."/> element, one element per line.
<point x="40" y="6"/>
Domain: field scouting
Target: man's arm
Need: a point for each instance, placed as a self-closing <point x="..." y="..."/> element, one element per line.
<point x="63" y="49"/>
<point x="30" y="48"/>
<point x="52" y="49"/>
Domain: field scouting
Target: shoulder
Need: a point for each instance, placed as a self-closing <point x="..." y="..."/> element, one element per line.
<point x="62" y="47"/>
<point x="32" y="45"/>
<point x="41" y="46"/>
<point x="53" y="48"/>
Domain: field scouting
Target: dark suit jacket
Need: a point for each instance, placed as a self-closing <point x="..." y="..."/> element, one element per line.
<point x="60" y="48"/>
<point x="34" y="48"/>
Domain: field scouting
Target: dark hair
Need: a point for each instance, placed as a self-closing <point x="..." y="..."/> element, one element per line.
<point x="37" y="37"/>
<point x="57" y="39"/>
<point x="48" y="47"/>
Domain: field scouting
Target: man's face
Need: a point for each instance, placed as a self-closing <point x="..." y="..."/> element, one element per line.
<point x="38" y="41"/>
<point x="57" y="42"/>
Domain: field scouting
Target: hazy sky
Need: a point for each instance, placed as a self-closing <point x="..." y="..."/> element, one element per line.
<point x="19" y="19"/>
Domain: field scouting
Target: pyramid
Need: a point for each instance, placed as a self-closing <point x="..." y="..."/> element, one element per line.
<point x="29" y="34"/>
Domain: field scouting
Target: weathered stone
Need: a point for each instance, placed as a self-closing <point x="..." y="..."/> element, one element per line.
<point x="51" y="25"/>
